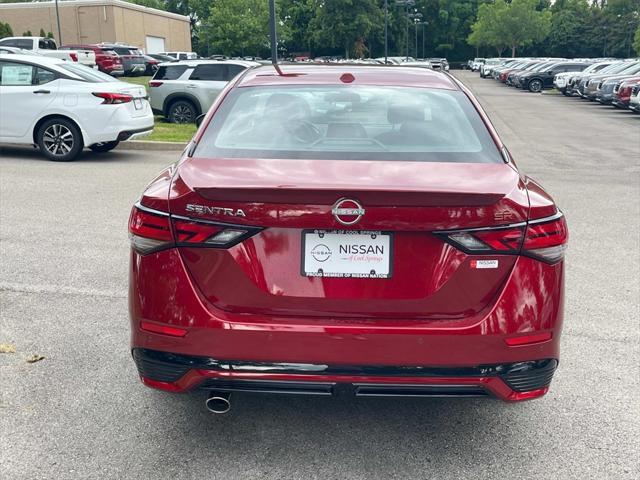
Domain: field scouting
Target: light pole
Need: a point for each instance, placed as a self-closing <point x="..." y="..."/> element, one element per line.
<point x="604" y="35"/>
<point x="424" y="24"/>
<point x="416" y="20"/>
<point x="58" y="20"/>
<point x="406" y="4"/>
<point x="386" y="30"/>
<point x="272" y="27"/>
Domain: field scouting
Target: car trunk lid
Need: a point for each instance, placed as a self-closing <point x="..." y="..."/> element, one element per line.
<point x="295" y="202"/>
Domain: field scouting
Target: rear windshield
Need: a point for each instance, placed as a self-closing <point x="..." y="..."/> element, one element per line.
<point x="87" y="74"/>
<point x="348" y="123"/>
<point x="170" y="73"/>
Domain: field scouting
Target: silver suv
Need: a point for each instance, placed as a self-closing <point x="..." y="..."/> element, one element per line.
<point x="183" y="90"/>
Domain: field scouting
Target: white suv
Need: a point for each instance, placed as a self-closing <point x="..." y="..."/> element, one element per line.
<point x="63" y="107"/>
<point x="183" y="90"/>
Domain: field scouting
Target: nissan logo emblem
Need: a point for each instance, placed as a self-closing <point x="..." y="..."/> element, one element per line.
<point x="347" y="211"/>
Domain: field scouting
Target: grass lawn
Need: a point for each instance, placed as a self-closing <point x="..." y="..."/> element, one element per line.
<point x="164" y="131"/>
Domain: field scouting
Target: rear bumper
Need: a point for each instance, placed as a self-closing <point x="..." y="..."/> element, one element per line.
<point x="508" y="382"/>
<point x="216" y="343"/>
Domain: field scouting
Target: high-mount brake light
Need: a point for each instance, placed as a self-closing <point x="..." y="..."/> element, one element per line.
<point x="110" y="98"/>
<point x="543" y="239"/>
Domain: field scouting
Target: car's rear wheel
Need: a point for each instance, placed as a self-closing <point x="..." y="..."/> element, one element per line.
<point x="104" y="146"/>
<point x="182" y="111"/>
<point x="535" y="85"/>
<point x="59" y="140"/>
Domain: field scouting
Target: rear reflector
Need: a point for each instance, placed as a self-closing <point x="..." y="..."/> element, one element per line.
<point x="111" y="98"/>
<point x="544" y="239"/>
<point x="528" y="339"/>
<point x="163" y="329"/>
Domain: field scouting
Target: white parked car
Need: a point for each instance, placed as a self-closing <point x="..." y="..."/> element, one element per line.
<point x="62" y="107"/>
<point x="181" y="55"/>
<point x="181" y="91"/>
<point x="47" y="47"/>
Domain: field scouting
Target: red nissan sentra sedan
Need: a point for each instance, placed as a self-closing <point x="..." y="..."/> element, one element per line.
<point x="346" y="229"/>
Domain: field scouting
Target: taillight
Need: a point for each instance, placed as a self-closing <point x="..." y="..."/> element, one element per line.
<point x="190" y="232"/>
<point x="544" y="239"/>
<point x="155" y="84"/>
<point x="113" y="98"/>
<point x="503" y="240"/>
<point x="74" y="57"/>
<point x="149" y="231"/>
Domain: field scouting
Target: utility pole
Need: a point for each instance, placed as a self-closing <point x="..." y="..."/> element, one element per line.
<point x="59" y="29"/>
<point x="272" y="27"/>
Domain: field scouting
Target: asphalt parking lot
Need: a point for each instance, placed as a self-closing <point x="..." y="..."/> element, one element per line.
<point x="82" y="413"/>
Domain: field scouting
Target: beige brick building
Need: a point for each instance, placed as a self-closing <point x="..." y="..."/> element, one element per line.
<point x="95" y="21"/>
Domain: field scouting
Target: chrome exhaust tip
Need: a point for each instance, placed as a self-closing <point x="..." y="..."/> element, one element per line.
<point x="218" y="402"/>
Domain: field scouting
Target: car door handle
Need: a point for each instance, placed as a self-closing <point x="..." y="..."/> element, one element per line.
<point x="192" y="86"/>
<point x="42" y="91"/>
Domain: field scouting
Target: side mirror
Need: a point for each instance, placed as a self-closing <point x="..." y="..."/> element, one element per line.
<point x="551" y="72"/>
<point x="199" y="118"/>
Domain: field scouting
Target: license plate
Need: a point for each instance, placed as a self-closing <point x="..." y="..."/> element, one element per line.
<point x="346" y="254"/>
<point x="137" y="103"/>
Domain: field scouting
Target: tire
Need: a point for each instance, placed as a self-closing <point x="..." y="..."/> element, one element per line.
<point x="59" y="140"/>
<point x="535" y="85"/>
<point x="104" y="146"/>
<point x="182" y="111"/>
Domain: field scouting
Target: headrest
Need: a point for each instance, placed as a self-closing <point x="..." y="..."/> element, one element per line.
<point x="287" y="105"/>
<point x="405" y="112"/>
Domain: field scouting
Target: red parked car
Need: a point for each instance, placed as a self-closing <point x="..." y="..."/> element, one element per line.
<point x="346" y="229"/>
<point x="107" y="60"/>
<point x="622" y="92"/>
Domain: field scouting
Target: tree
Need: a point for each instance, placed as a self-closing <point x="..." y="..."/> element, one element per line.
<point x="514" y="24"/>
<point x="27" y="34"/>
<point x="521" y="24"/>
<point x="42" y="34"/>
<point x="5" y="30"/>
<point x="238" y="27"/>
<point x="636" y="41"/>
<point x="347" y="24"/>
<point x="485" y="31"/>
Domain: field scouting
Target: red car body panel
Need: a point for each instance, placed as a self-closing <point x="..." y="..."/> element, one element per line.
<point x="106" y="62"/>
<point x="622" y="97"/>
<point x="250" y="303"/>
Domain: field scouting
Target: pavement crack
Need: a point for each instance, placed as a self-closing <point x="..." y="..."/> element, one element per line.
<point x="60" y="290"/>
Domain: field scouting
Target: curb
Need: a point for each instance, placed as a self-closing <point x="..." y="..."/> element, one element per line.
<point x="149" y="145"/>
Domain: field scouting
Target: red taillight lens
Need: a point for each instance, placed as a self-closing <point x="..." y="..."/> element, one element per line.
<point x="487" y="240"/>
<point x="547" y="239"/>
<point x="110" y="98"/>
<point x="155" y="84"/>
<point x="151" y="230"/>
<point x="74" y="57"/>
<point x="190" y="232"/>
<point x="544" y="239"/>
<point x="148" y="231"/>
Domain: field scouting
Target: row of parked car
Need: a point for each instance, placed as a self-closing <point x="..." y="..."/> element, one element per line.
<point x="115" y="59"/>
<point x="605" y="80"/>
